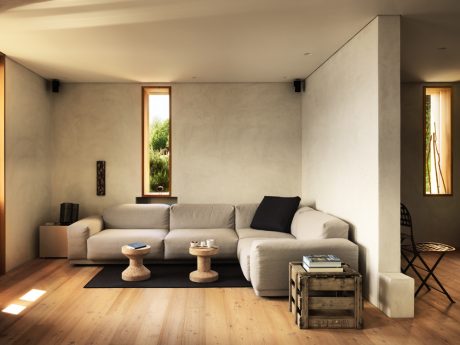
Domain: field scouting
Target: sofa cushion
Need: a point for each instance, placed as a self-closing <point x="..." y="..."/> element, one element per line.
<point x="244" y="213"/>
<point x="253" y="233"/>
<point x="202" y="216"/>
<point x="311" y="224"/>
<point x="177" y="242"/>
<point x="106" y="244"/>
<point x="243" y="252"/>
<point x="137" y="216"/>
<point x="275" y="213"/>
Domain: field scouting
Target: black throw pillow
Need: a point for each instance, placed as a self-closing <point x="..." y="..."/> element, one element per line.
<point x="275" y="213"/>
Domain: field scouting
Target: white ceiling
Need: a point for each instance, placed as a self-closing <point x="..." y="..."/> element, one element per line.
<point x="216" y="40"/>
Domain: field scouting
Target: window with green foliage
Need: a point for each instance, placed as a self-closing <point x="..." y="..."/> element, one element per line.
<point x="156" y="141"/>
<point x="437" y="141"/>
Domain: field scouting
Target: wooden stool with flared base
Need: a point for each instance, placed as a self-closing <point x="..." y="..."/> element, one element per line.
<point x="203" y="274"/>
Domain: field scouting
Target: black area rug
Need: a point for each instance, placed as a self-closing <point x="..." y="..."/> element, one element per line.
<point x="169" y="276"/>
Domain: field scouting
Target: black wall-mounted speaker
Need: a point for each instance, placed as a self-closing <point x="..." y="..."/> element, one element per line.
<point x="298" y="84"/>
<point x="55" y="84"/>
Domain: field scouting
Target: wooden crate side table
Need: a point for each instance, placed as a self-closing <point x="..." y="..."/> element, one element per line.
<point x="53" y="241"/>
<point x="325" y="300"/>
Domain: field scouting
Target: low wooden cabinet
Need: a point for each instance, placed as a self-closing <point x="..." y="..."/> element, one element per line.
<point x="325" y="300"/>
<point x="53" y="241"/>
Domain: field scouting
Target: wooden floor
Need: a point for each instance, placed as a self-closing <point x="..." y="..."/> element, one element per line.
<point x="69" y="314"/>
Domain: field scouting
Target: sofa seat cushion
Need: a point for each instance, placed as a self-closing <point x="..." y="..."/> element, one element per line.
<point x="250" y="233"/>
<point x="106" y="244"/>
<point x="244" y="251"/>
<point x="177" y="242"/>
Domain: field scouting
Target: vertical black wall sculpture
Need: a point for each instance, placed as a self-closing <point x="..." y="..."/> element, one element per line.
<point x="100" y="177"/>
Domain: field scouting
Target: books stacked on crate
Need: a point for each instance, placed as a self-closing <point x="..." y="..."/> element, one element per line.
<point x="322" y="263"/>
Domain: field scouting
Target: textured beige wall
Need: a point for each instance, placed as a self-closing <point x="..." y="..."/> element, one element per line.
<point x="96" y="122"/>
<point x="235" y="143"/>
<point x="351" y="137"/>
<point x="28" y="161"/>
<point x="231" y="143"/>
<point x="435" y="218"/>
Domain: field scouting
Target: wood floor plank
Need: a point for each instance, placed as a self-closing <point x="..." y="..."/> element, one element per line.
<point x="70" y="314"/>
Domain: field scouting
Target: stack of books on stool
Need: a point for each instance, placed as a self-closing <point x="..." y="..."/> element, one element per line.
<point x="322" y="263"/>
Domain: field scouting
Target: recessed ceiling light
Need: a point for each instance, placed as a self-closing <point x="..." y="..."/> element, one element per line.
<point x="307" y="54"/>
<point x="14" y="309"/>
<point x="32" y="295"/>
<point x="442" y="48"/>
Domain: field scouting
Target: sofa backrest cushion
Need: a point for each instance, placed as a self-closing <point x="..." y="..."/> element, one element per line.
<point x="310" y="224"/>
<point x="202" y="216"/>
<point x="244" y="213"/>
<point x="137" y="216"/>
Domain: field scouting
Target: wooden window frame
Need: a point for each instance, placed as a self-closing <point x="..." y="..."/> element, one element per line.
<point x="2" y="165"/>
<point x="440" y="86"/>
<point x="145" y="136"/>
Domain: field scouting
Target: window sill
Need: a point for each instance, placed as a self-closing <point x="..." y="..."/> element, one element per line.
<point x="156" y="199"/>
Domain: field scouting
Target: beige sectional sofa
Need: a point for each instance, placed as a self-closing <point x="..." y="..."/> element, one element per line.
<point x="263" y="255"/>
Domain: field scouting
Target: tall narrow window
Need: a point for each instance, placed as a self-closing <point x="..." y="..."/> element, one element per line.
<point x="437" y="141"/>
<point x="156" y="136"/>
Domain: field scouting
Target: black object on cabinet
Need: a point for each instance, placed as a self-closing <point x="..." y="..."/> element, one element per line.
<point x="69" y="213"/>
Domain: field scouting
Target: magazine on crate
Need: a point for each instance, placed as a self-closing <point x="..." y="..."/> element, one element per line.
<point x="324" y="260"/>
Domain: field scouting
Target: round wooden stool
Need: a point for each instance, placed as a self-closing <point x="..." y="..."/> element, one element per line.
<point x="136" y="270"/>
<point x="203" y="274"/>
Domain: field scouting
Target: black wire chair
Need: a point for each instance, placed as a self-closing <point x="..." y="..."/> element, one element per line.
<point x="411" y="250"/>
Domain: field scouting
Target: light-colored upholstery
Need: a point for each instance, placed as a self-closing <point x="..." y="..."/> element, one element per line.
<point x="269" y="260"/>
<point x="263" y="255"/>
<point x="244" y="254"/>
<point x="106" y="244"/>
<point x="202" y="216"/>
<point x="247" y="233"/>
<point x="78" y="233"/>
<point x="309" y="224"/>
<point x="177" y="242"/>
<point x="137" y="216"/>
<point x="244" y="213"/>
<point x="245" y="242"/>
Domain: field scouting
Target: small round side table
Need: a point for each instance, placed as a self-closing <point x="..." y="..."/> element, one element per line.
<point x="203" y="274"/>
<point x="136" y="270"/>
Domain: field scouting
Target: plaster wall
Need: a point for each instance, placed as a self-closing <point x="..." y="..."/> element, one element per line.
<point x="231" y="143"/>
<point x="28" y="162"/>
<point x="435" y="218"/>
<point x="350" y="144"/>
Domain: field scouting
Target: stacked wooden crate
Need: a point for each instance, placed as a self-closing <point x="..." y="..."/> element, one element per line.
<point x="325" y="300"/>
